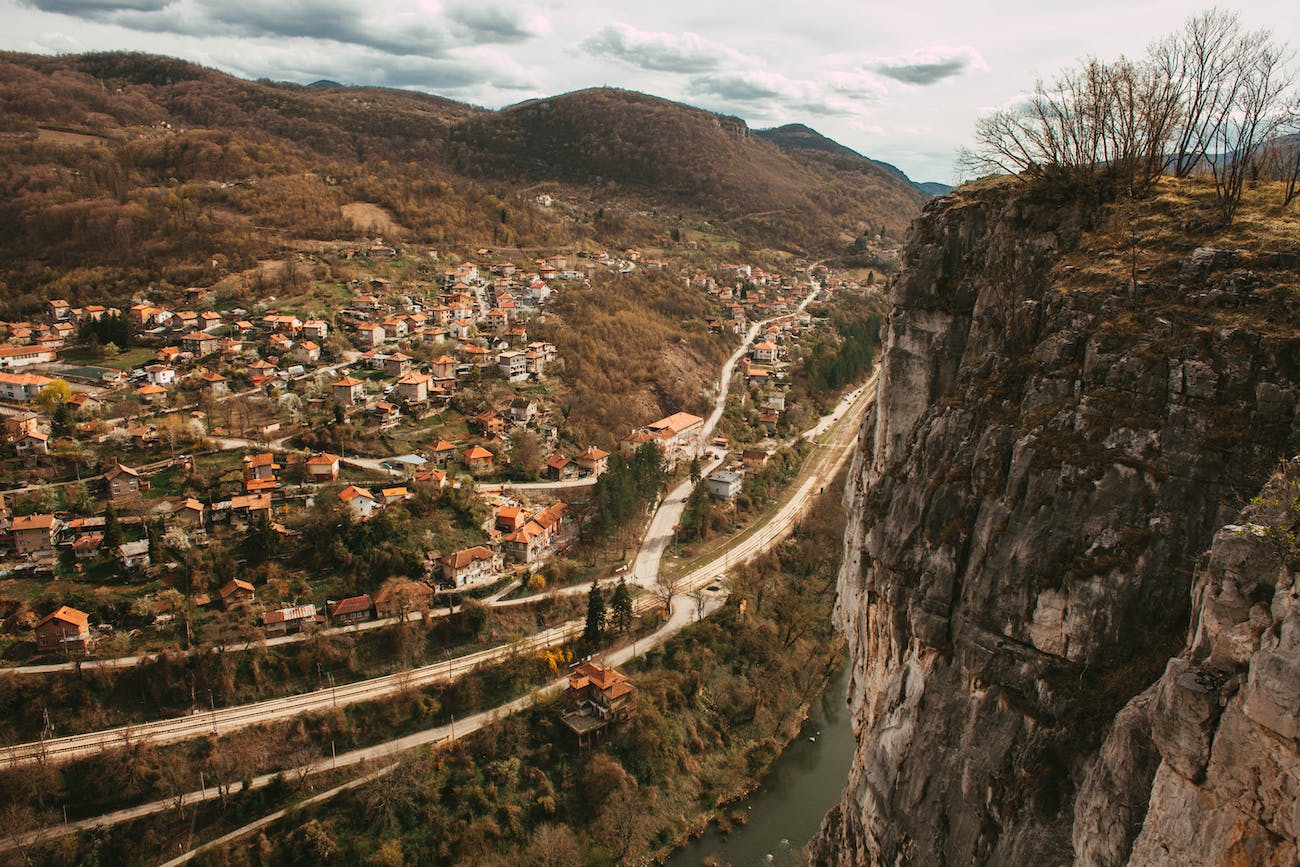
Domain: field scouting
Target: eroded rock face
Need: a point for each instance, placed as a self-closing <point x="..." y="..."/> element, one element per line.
<point x="1046" y="462"/>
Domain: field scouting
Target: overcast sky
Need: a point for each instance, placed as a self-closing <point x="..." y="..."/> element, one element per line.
<point x="901" y="82"/>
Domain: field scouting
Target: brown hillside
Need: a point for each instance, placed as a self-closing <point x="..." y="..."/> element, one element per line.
<point x="686" y="157"/>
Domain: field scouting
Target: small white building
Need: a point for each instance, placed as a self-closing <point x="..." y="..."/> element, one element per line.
<point x="725" y="484"/>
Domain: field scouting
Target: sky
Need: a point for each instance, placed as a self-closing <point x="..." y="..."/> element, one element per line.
<point x="903" y="82"/>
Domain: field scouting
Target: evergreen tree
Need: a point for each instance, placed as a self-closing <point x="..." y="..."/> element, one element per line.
<point x="594" y="633"/>
<point x="621" y="607"/>
<point x="696" y="473"/>
<point x="112" y="528"/>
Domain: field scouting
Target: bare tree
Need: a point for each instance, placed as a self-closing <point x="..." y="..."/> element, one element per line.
<point x="1264" y="78"/>
<point x="1202" y="62"/>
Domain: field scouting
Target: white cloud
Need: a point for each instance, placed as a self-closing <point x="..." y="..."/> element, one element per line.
<point x="664" y="52"/>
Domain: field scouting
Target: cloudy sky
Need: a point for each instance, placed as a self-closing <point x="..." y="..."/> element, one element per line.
<point x="902" y="81"/>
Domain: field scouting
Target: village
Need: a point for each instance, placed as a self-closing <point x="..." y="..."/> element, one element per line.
<point x="137" y="437"/>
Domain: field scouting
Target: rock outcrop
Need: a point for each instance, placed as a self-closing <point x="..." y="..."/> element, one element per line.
<point x="1041" y="673"/>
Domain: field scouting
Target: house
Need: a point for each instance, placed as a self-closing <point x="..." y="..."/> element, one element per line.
<point x="307" y="351"/>
<point x="525" y="545"/>
<point x="21" y="356"/>
<point x="59" y="309"/>
<point x="370" y="334"/>
<point x="400" y="596"/>
<point x="551" y="520"/>
<point x="316" y="329"/>
<point x="386" y="414"/>
<point x="33" y="443"/>
<point x="764" y="352"/>
<point x="214" y="383"/>
<point x="471" y="566"/>
<point x="87" y="547"/>
<point x="513" y="365"/>
<point x="33" y="533"/>
<point x="150" y="393"/>
<point x="510" y="518"/>
<point x="490" y="422"/>
<point x="360" y="501"/>
<point x="478" y="459"/>
<point x="397" y="364"/>
<point x="677" y="426"/>
<point x="323" y="467"/>
<point x="133" y="555"/>
<point x="592" y="462"/>
<point x="21" y="387"/>
<point x="354" y="609"/>
<point x="65" y="630"/>
<point x="596" y="697"/>
<point x="522" y="410"/>
<point x="260" y="472"/>
<point x="725" y="484"/>
<point x="250" y="507"/>
<point x="769" y="419"/>
<point x="394" y="495"/>
<point x="438" y="478"/>
<point x="443" y="367"/>
<point x="189" y="512"/>
<point x="235" y="593"/>
<point x="414" y="387"/>
<point x="348" y="390"/>
<point x="122" y="482"/>
<point x="160" y="374"/>
<point x="199" y="343"/>
<point x="561" y="468"/>
<point x="289" y="620"/>
<point x="443" y="453"/>
<point x="535" y="363"/>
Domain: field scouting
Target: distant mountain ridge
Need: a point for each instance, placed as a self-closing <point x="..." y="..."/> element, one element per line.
<point x="797" y="135"/>
<point x="264" y="165"/>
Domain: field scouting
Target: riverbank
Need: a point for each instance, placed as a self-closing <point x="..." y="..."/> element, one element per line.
<point x="772" y="823"/>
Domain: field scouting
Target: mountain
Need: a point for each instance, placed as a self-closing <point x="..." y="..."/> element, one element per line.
<point x="125" y="169"/>
<point x="933" y="188"/>
<point x="686" y="158"/>
<point x="1070" y="581"/>
<point x="798" y="137"/>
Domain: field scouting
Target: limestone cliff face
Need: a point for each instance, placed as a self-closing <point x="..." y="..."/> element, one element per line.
<point x="1050" y="455"/>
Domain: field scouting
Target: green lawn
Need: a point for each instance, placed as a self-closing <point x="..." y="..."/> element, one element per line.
<point x="126" y="360"/>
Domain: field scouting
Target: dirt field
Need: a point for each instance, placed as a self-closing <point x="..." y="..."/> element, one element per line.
<point x="56" y="136"/>
<point x="372" y="218"/>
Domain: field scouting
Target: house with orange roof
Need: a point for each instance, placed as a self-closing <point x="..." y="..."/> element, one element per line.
<point x="471" y="566"/>
<point x="478" y="459"/>
<point x="260" y="472"/>
<point x="65" y="630"/>
<point x="360" y="501"/>
<point x="348" y="390"/>
<point x="34" y="442"/>
<point x="595" y="698"/>
<point x="561" y="468"/>
<point x="323" y="467"/>
<point x="443" y="453"/>
<point x="592" y="462"/>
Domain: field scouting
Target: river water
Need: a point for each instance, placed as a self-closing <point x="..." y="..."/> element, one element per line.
<point x="787" y="809"/>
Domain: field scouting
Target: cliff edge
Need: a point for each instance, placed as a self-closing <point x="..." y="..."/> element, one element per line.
<point x="1075" y="404"/>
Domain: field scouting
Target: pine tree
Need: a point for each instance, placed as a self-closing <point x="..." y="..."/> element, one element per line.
<point x="594" y="634"/>
<point x="696" y="473"/>
<point x="112" y="528"/>
<point x="621" y="607"/>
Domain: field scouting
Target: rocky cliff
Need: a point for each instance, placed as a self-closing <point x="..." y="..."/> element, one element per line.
<point x="1075" y="403"/>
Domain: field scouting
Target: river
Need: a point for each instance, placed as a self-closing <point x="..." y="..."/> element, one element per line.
<point x="787" y="809"/>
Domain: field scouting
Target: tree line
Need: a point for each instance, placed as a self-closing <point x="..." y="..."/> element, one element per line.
<point x="1210" y="99"/>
